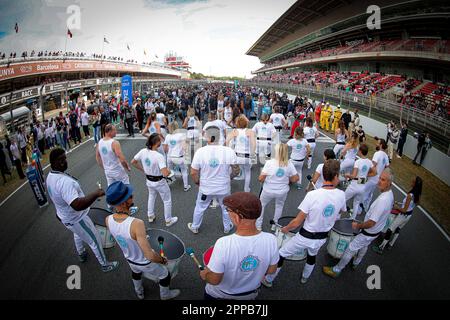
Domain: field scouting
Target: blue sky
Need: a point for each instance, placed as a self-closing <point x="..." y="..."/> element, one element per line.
<point x="213" y="35"/>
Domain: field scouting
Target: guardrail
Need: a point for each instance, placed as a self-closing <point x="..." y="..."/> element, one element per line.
<point x="374" y="106"/>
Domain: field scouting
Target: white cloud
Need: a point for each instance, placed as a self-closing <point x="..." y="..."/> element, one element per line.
<point x="212" y="35"/>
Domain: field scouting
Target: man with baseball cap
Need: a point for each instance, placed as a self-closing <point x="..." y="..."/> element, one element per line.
<point x="131" y="236"/>
<point x="239" y="261"/>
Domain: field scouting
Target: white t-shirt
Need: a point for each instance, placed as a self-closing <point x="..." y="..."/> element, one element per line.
<point x="277" y="180"/>
<point x="48" y="132"/>
<point x="63" y="190"/>
<point x="298" y="148"/>
<point x="379" y="211"/>
<point x="310" y="132"/>
<point x="322" y="208"/>
<point x="111" y="162"/>
<point x="243" y="261"/>
<point x="382" y="160"/>
<point x="363" y="166"/>
<point x="152" y="162"/>
<point x="214" y="163"/>
<point x="319" y="182"/>
<point x="175" y="143"/>
<point x="84" y="119"/>
<point x="264" y="130"/>
<point x="277" y="119"/>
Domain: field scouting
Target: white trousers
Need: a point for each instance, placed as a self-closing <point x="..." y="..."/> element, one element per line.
<point x="202" y="205"/>
<point x="337" y="150"/>
<point x="113" y="177"/>
<point x="84" y="231"/>
<point x="263" y="147"/>
<point x="311" y="155"/>
<point x="152" y="270"/>
<point x="358" y="246"/>
<point x="369" y="188"/>
<point x="265" y="198"/>
<point x="163" y="189"/>
<point x="247" y="171"/>
<point x="355" y="191"/>
<point x="174" y="162"/>
<point x="347" y="165"/>
<point x="299" y="167"/>
<point x="399" y="222"/>
<point x="391" y="147"/>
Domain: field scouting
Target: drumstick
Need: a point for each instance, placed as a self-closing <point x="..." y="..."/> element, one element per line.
<point x="190" y="252"/>
<point x="310" y="181"/>
<point x="273" y="222"/>
<point x="161" y="242"/>
<point x="99" y="185"/>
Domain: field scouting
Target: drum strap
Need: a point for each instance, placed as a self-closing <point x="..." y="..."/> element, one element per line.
<point x="364" y="232"/>
<point x="242" y="294"/>
<point x="278" y="127"/>
<point x="191" y="128"/>
<point x="139" y="264"/>
<point x="313" y="235"/>
<point x="258" y="138"/>
<point x="154" y="178"/>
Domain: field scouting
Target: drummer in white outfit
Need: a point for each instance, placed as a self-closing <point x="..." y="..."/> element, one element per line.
<point x="210" y="169"/>
<point x="406" y="209"/>
<point x="373" y="224"/>
<point x="162" y="120"/>
<point x="340" y="135"/>
<point x="109" y="156"/>
<point x="131" y="236"/>
<point x="152" y="126"/>
<point x="244" y="146"/>
<point x="317" y="178"/>
<point x="265" y="133"/>
<point x="300" y="150"/>
<point x="279" y="122"/>
<point x="349" y="154"/>
<point x="193" y="126"/>
<point x="228" y="114"/>
<point x="380" y="161"/>
<point x="153" y="165"/>
<point x="175" y="147"/>
<point x="276" y="176"/>
<point x="319" y="210"/>
<point x="358" y="179"/>
<point x="239" y="261"/>
<point x="72" y="208"/>
<point x="311" y="133"/>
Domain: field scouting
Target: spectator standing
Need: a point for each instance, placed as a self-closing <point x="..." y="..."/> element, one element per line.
<point x="424" y="144"/>
<point x="14" y="148"/>
<point x="402" y="139"/>
<point x="85" y="122"/>
<point x="393" y="139"/>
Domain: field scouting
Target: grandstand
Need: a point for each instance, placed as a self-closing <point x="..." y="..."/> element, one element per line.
<point x="320" y="47"/>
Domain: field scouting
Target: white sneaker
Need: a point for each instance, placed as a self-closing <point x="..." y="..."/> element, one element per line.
<point x="273" y="227"/>
<point x="151" y="218"/>
<point x="266" y="283"/>
<point x="172" y="221"/>
<point x="214" y="204"/>
<point x="227" y="231"/>
<point x="140" y="294"/>
<point x="304" y="280"/>
<point x="187" y="188"/>
<point x="192" y="229"/>
<point x="172" y="294"/>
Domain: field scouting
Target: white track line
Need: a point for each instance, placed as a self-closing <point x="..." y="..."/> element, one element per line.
<point x="425" y="212"/>
<point x="26" y="182"/>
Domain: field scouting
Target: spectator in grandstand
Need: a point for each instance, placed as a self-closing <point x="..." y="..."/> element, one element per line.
<point x="423" y="145"/>
<point x="402" y="138"/>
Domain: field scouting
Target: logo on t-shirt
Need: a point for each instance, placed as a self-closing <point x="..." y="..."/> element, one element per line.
<point x="122" y="242"/>
<point x="263" y="128"/>
<point x="191" y="122"/>
<point x="328" y="211"/>
<point x="250" y="263"/>
<point x="104" y="150"/>
<point x="280" y="173"/>
<point x="152" y="130"/>
<point x="299" y="146"/>
<point x="214" y="163"/>
<point x="173" y="142"/>
<point x="364" y="169"/>
<point x="311" y="131"/>
<point x="148" y="163"/>
<point x="242" y="139"/>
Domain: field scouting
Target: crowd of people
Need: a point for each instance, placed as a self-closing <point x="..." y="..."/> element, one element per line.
<point x="244" y="260"/>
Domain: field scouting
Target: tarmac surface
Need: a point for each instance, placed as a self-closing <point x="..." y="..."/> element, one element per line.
<point x="37" y="249"/>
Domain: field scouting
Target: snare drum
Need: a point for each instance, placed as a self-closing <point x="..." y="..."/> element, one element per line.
<point x="207" y="255"/>
<point x="173" y="249"/>
<point x="98" y="217"/>
<point x="340" y="237"/>
<point x="394" y="213"/>
<point x="282" y="238"/>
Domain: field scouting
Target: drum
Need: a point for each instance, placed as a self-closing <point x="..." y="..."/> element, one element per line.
<point x="340" y="237"/>
<point x="98" y="217"/>
<point x="282" y="238"/>
<point x="207" y="255"/>
<point x="173" y="249"/>
<point x="394" y="213"/>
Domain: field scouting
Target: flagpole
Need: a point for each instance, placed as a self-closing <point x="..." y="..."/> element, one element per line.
<point x="65" y="49"/>
<point x="103" y="46"/>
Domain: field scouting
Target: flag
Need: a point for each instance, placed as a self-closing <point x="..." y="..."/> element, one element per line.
<point x="69" y="33"/>
<point x="128" y="47"/>
<point x="104" y="40"/>
<point x="145" y="53"/>
<point x="16" y="27"/>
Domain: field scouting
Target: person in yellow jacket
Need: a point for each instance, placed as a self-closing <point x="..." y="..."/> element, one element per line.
<point x="323" y="114"/>
<point x="328" y="115"/>
<point x="337" y="118"/>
